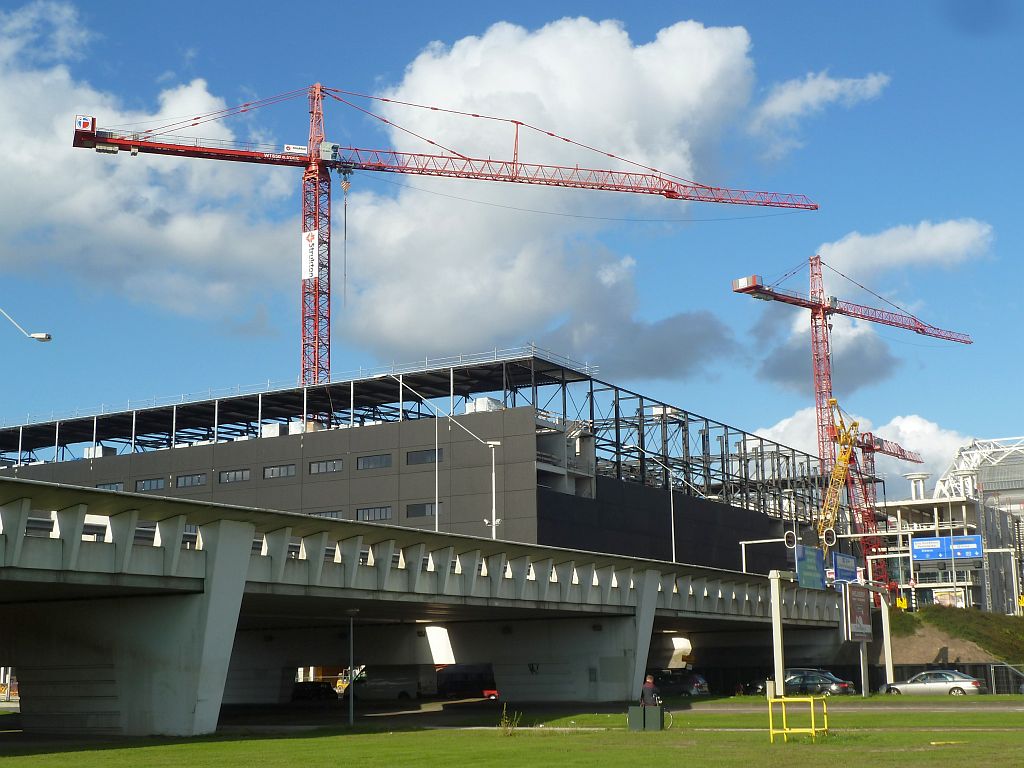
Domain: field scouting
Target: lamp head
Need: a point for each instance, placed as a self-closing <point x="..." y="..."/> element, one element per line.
<point x="40" y="336"/>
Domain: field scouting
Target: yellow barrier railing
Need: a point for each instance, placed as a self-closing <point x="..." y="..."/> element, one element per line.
<point x="819" y="721"/>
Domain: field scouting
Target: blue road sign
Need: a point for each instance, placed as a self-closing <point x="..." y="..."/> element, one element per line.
<point x="810" y="567"/>
<point x="946" y="548"/>
<point x="845" y="566"/>
<point x="966" y="547"/>
<point x="930" y="548"/>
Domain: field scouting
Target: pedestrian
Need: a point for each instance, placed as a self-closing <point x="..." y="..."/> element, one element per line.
<point x="650" y="696"/>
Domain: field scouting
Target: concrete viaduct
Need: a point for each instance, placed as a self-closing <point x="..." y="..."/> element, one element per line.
<point x="133" y="614"/>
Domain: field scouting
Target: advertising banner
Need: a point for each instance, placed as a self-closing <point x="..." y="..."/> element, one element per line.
<point x="858" y="613"/>
<point x="310" y="241"/>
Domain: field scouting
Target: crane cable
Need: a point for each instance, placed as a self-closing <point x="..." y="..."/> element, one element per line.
<point x="192" y="121"/>
<point x="880" y="298"/>
<point x="512" y="121"/>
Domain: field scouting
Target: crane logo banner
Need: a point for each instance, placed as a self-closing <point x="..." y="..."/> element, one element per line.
<point x="309" y="253"/>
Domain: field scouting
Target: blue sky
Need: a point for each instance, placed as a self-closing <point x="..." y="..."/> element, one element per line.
<point x="158" y="276"/>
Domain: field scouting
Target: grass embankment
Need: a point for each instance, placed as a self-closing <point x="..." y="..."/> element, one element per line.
<point x="1002" y="636"/>
<point x="710" y="738"/>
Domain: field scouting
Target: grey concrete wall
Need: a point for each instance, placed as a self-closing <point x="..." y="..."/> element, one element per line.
<point x="554" y="660"/>
<point x="464" y="476"/>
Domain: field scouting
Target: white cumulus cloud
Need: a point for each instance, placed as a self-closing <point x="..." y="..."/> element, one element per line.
<point x="944" y="243"/>
<point x="173" y="232"/>
<point x="430" y="275"/>
<point x="936" y="445"/>
<point x="778" y="116"/>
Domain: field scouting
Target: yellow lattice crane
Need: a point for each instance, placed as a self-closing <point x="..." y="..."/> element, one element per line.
<point x="846" y="438"/>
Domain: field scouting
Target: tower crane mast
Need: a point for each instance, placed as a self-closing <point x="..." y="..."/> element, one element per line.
<point x="318" y="158"/>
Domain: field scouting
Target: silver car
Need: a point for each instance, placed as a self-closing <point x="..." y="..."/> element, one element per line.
<point x="938" y="682"/>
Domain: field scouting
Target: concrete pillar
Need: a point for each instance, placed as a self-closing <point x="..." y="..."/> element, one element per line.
<point x="571" y="659"/>
<point x="646" y="585"/>
<point x="149" y="664"/>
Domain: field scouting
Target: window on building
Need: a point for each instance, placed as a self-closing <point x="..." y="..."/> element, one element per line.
<point x="331" y="465"/>
<point x="370" y="514"/>
<point x="425" y="509"/>
<point x="118" y="486"/>
<point x="380" y="461"/>
<point x="424" y="457"/>
<point x="188" y="481"/>
<point x="333" y="514"/>
<point x="234" y="475"/>
<point x="281" y="470"/>
<point x="151" y="484"/>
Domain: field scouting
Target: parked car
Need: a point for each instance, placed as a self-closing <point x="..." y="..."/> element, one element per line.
<point x="314" y="690"/>
<point x="802" y="681"/>
<point x="377" y="686"/>
<point x="938" y="682"/>
<point x="680" y="682"/>
<point x="818" y="682"/>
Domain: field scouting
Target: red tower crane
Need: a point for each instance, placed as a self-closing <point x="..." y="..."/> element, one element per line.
<point x="318" y="157"/>
<point x="860" y="482"/>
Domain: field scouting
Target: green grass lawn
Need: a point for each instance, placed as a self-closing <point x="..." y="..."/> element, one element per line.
<point x="936" y="732"/>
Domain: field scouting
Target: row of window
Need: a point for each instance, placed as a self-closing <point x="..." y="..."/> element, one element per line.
<point x="376" y="461"/>
<point x="374" y="514"/>
<point x="366" y="514"/>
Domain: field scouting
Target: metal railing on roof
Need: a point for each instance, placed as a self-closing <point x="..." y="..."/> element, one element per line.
<point x="427" y="364"/>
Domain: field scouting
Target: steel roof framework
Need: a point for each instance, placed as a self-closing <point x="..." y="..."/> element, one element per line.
<point x="708" y="458"/>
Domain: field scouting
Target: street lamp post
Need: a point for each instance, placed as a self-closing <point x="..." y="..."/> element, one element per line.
<point x="351" y="689"/>
<point x="494" y="522"/>
<point x="36" y="336"/>
<point x="493" y="444"/>
<point x="671" y="493"/>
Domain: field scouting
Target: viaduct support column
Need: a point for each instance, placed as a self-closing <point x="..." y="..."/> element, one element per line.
<point x="148" y="665"/>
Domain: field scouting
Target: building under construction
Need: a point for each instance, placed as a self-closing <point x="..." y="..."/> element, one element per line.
<point x="519" y="444"/>
<point x="981" y="494"/>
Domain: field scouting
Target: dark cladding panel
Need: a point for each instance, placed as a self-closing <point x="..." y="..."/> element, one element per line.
<point x="634" y="520"/>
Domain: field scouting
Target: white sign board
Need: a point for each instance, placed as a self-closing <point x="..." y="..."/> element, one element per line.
<point x="309" y="253"/>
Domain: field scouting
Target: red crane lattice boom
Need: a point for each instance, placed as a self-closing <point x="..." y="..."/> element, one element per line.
<point x="860" y="481"/>
<point x="318" y="157"/>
